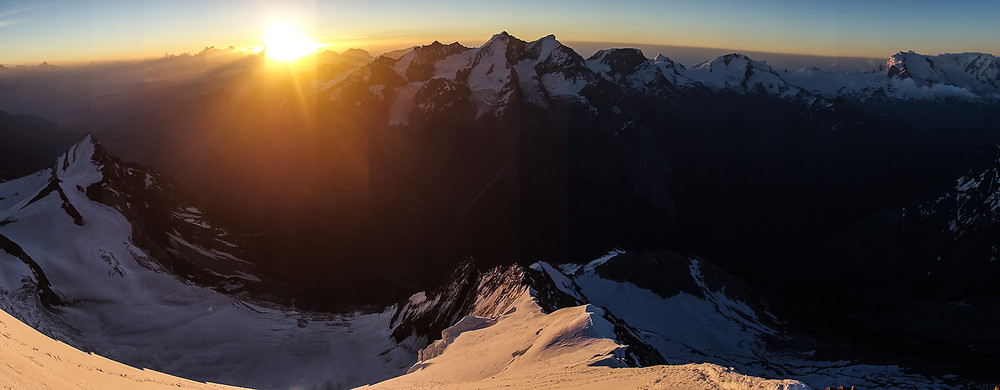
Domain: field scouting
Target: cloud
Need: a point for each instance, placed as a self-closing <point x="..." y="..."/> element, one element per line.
<point x="935" y="91"/>
<point x="17" y="7"/>
<point x="14" y="8"/>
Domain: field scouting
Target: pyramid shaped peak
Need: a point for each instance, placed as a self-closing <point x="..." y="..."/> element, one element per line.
<point x="550" y="37"/>
<point x="501" y="38"/>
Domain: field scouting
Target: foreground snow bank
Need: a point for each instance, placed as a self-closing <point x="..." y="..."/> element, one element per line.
<point x="568" y="348"/>
<point x="33" y="361"/>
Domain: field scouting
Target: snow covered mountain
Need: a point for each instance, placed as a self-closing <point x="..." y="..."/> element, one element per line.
<point x="737" y="72"/>
<point x="909" y="75"/>
<point x="518" y="150"/>
<point x="628" y="68"/>
<point x="82" y="264"/>
<point x="538" y="71"/>
<point x="522" y="344"/>
<point x="95" y="255"/>
<point x="976" y="72"/>
<point x="621" y="310"/>
<point x="541" y="72"/>
<point x="432" y="77"/>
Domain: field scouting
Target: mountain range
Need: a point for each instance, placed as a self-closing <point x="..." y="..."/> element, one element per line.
<point x="826" y="228"/>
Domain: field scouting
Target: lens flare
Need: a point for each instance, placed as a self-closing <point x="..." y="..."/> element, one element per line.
<point x="284" y="42"/>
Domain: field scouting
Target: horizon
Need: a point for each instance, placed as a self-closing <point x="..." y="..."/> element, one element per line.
<point x="516" y="194"/>
<point x="105" y="30"/>
<point x="686" y="55"/>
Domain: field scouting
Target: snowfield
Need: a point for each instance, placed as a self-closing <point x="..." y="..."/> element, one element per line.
<point x="30" y="360"/>
<point x="568" y="348"/>
<point x="116" y="300"/>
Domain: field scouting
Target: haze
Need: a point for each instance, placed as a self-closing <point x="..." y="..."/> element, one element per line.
<point x="63" y="31"/>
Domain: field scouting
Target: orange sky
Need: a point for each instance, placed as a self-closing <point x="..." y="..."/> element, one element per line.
<point x="71" y="31"/>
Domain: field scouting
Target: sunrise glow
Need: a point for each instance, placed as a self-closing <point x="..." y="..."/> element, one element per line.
<point x="284" y="42"/>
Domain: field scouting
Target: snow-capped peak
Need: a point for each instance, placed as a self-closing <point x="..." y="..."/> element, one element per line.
<point x="100" y="236"/>
<point x="735" y="61"/>
<point x="420" y="63"/>
<point x="906" y="64"/>
<point x="499" y="39"/>
<point x="976" y="72"/>
<point x="740" y="73"/>
<point x="621" y="61"/>
<point x="631" y="69"/>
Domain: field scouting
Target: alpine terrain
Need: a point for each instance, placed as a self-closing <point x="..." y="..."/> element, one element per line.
<point x="509" y="215"/>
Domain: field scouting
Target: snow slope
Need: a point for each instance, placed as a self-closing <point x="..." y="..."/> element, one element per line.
<point x="568" y="348"/>
<point x="31" y="360"/>
<point x="630" y="69"/>
<point x="70" y="267"/>
<point x="691" y="312"/>
<point x="737" y="72"/>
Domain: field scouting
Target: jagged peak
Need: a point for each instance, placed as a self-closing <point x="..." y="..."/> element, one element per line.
<point x="399" y="53"/>
<point x="724" y="61"/>
<point x="667" y="64"/>
<point x="438" y="46"/>
<point x="503" y="48"/>
<point x="547" y="46"/>
<point x="82" y="157"/>
<point x="901" y="56"/>
<point x="501" y="41"/>
<point x="604" y="53"/>
<point x="384" y="61"/>
<point x="549" y="38"/>
<point x="897" y="64"/>
<point x="623" y="60"/>
<point x="423" y="58"/>
<point x="728" y="58"/>
<point x="89" y="139"/>
<point x="500" y="38"/>
<point x="84" y="149"/>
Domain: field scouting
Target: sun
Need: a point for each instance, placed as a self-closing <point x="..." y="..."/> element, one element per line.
<point x="284" y="42"/>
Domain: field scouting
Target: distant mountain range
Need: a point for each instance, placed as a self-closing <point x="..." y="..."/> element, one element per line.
<point x="783" y="212"/>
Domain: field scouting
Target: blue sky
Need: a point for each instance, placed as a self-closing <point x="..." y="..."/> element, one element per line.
<point x="82" y="30"/>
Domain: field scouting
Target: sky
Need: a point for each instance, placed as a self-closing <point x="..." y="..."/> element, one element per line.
<point x="67" y="31"/>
